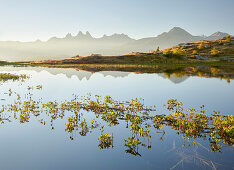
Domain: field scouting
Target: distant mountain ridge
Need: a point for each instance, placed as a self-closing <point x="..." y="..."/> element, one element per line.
<point x="87" y="37"/>
<point x="216" y="35"/>
<point x="85" y="44"/>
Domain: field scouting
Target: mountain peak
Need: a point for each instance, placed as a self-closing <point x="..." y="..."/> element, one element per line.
<point x="120" y="35"/>
<point x="68" y="35"/>
<point x="80" y="33"/>
<point x="88" y="34"/>
<point x="116" y="38"/>
<point x="177" y="30"/>
<point x="218" y="34"/>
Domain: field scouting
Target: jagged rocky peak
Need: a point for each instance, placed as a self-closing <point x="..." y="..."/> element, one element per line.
<point x="88" y="34"/>
<point x="80" y="33"/>
<point x="69" y="35"/>
<point x="116" y="37"/>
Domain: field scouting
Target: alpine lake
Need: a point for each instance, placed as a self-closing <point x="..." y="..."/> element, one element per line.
<point x="65" y="118"/>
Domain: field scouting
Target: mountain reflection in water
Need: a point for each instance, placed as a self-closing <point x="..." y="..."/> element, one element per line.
<point x="162" y="151"/>
<point x="81" y="74"/>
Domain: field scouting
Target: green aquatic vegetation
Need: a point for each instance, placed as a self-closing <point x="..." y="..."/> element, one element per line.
<point x="132" y="145"/>
<point x="194" y="124"/>
<point x="105" y="141"/>
<point x="223" y="129"/>
<point x="39" y="87"/>
<point x="84" y="127"/>
<point x="30" y="87"/>
<point x="141" y="121"/>
<point x="7" y="76"/>
<point x="18" y="97"/>
<point x="72" y="124"/>
<point x="10" y="92"/>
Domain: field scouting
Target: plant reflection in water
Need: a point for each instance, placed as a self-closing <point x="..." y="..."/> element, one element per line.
<point x="140" y="120"/>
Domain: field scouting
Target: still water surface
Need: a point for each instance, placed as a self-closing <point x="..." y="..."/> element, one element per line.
<point x="35" y="146"/>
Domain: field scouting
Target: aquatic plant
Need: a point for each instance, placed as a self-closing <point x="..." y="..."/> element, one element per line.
<point x="39" y="87"/>
<point x="140" y="120"/>
<point x="106" y="141"/>
<point x="7" y="76"/>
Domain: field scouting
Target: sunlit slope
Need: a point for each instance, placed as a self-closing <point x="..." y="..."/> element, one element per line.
<point x="85" y="44"/>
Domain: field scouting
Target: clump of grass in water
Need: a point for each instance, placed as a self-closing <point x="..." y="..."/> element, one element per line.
<point x="7" y="76"/>
<point x="139" y="119"/>
<point x="105" y="140"/>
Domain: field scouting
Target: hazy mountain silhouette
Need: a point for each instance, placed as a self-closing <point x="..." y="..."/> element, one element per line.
<point x="86" y="75"/>
<point x="167" y="39"/>
<point x="216" y="35"/>
<point x="85" y="44"/>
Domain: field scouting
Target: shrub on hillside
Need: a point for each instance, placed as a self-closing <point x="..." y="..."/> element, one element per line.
<point x="201" y="46"/>
<point x="220" y="42"/>
<point x="228" y="38"/>
<point x="194" y="52"/>
<point x="214" y="52"/>
<point x="154" y="51"/>
<point x="157" y="50"/>
<point x="175" y="53"/>
<point x="179" y="52"/>
<point x="167" y="52"/>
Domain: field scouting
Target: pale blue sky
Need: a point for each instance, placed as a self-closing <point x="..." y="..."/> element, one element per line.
<point x="28" y="20"/>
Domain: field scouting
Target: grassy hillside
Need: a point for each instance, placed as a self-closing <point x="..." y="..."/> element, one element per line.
<point x="203" y="58"/>
<point x="216" y="50"/>
<point x="197" y="52"/>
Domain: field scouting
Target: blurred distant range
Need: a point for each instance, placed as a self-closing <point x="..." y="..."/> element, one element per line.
<point x="84" y="44"/>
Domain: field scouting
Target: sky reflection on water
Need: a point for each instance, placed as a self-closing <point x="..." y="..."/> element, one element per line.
<point x="33" y="146"/>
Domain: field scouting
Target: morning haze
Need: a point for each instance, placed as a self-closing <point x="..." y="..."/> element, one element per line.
<point x="85" y="44"/>
<point x="129" y="26"/>
<point x="116" y="84"/>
